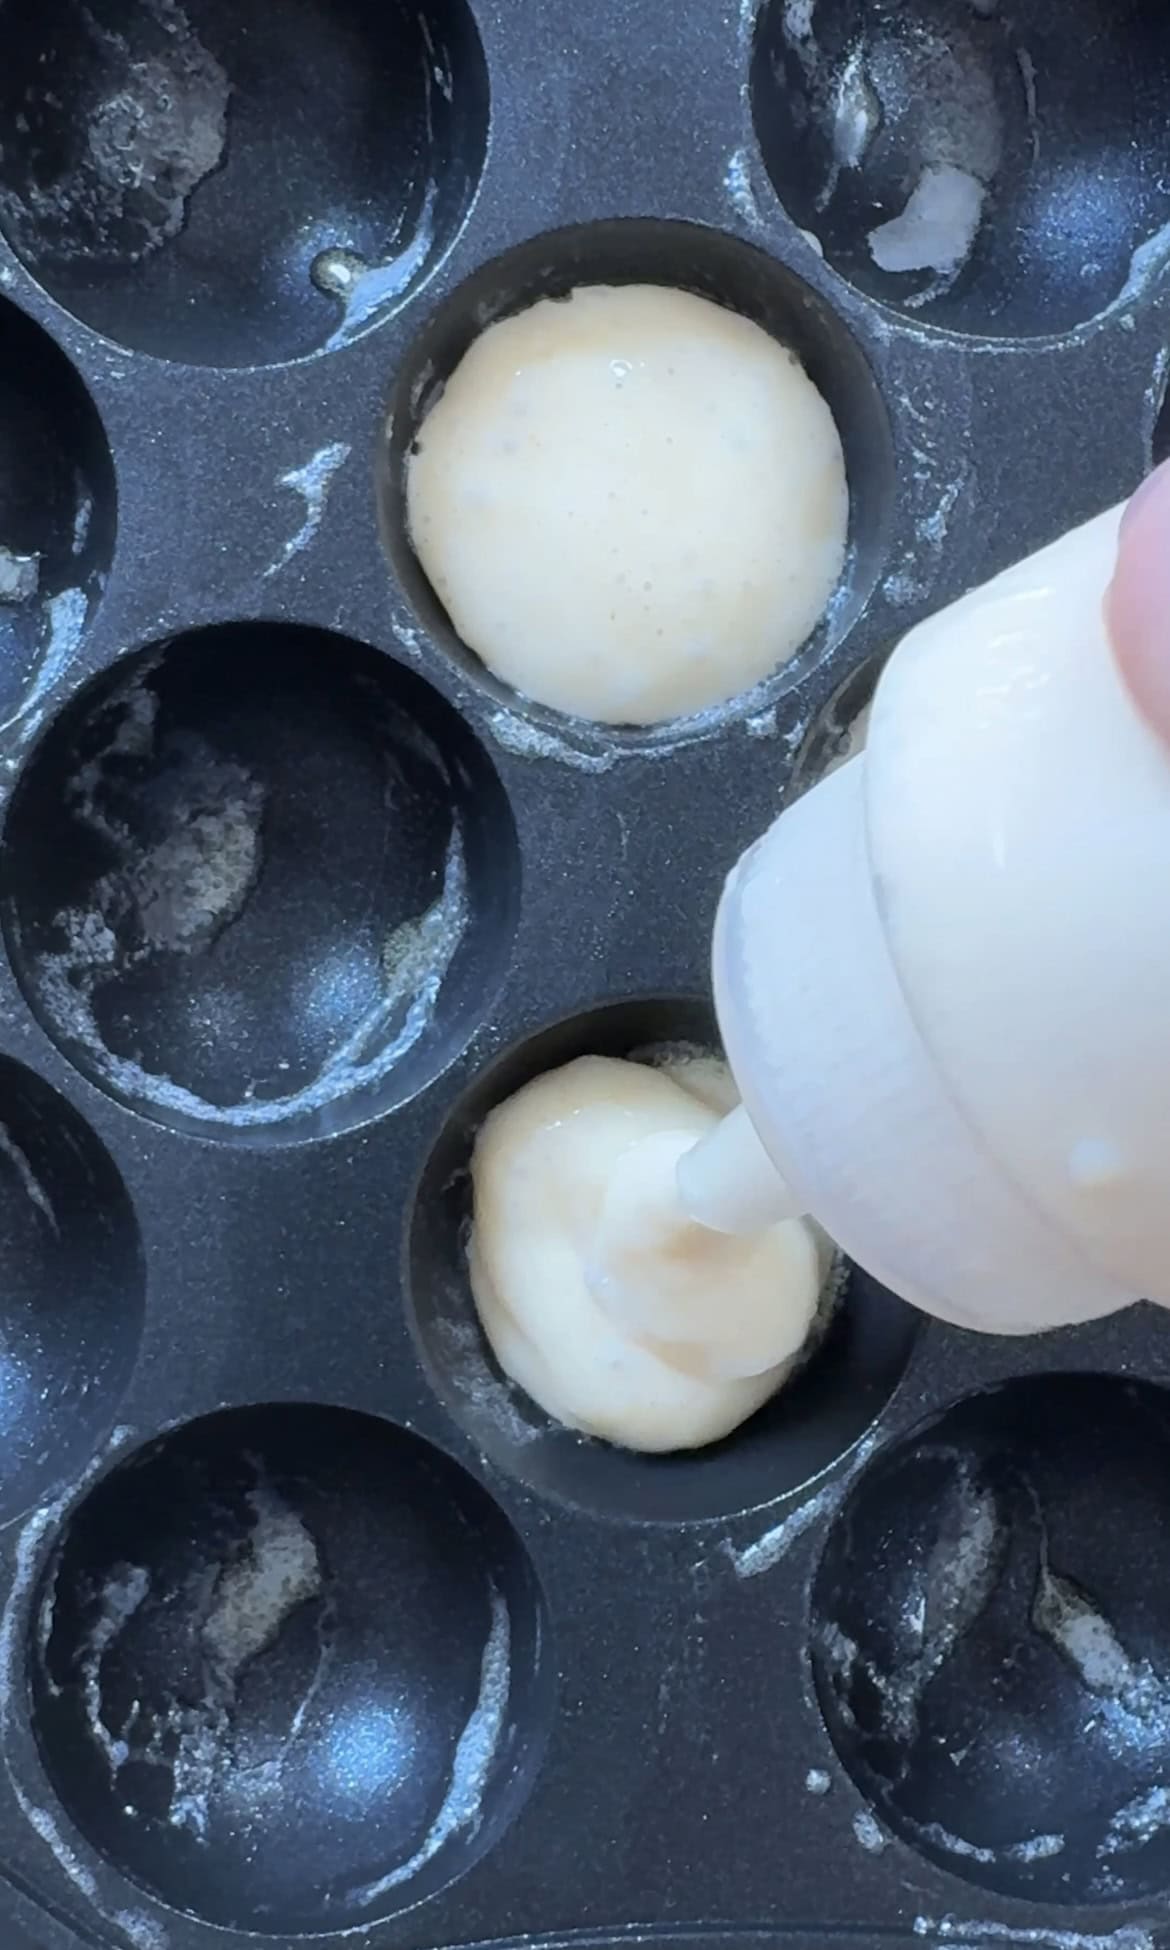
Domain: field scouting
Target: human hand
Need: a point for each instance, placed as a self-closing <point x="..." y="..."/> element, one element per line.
<point x="1137" y="607"/>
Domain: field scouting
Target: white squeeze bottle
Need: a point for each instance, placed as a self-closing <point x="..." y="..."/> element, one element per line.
<point x="943" y="976"/>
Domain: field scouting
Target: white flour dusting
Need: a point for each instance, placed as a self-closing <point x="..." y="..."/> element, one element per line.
<point x="857" y="112"/>
<point x="417" y="953"/>
<point x="199" y="1738"/>
<point x="1148" y="262"/>
<point x="493" y="1397"/>
<point x="932" y="528"/>
<point x="1137" y="1823"/>
<point x="524" y="739"/>
<point x="751" y="1560"/>
<point x="312" y="482"/>
<point x="737" y="183"/>
<point x="957" y="1581"/>
<point x="20" y="576"/>
<point x="762" y="724"/>
<point x="254" y="1596"/>
<point x="178" y="891"/>
<point x="1037" y="1848"/>
<point x="872" y="1838"/>
<point x="527" y="740"/>
<point x="938" y="489"/>
<point x="1064" y="1615"/>
<point x="82" y="518"/>
<point x="142" y="1931"/>
<point x="175" y="891"/>
<point x="38" y="1527"/>
<point x="798" y="24"/>
<point x="957" y="1930"/>
<point x="854" y="121"/>
<point x="124" y="1592"/>
<point x="43" y="1825"/>
<point x="240" y="1611"/>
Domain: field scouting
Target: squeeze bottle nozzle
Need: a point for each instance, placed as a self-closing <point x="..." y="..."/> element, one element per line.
<point x="942" y="977"/>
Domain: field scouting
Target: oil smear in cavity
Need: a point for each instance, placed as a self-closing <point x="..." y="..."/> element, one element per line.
<point x="475" y="1754"/>
<point x="150" y="126"/>
<point x="186" y="857"/>
<point x="63" y="620"/>
<point x="929" y="92"/>
<point x="40" y="634"/>
<point x="369" y="291"/>
<point x="935" y="95"/>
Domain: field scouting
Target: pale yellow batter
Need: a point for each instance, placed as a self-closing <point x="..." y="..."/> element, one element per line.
<point x="631" y="502"/>
<point x="699" y="1329"/>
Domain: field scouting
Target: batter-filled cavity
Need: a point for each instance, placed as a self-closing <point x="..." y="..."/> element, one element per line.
<point x="696" y="1330"/>
<point x="631" y="502"/>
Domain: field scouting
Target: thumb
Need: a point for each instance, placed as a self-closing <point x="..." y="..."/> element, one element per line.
<point x="1137" y="606"/>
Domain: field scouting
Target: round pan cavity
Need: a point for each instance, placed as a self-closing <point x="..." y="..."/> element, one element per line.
<point x="990" y="1638"/>
<point x="74" y="1290"/>
<point x="57" y="512"/>
<point x="813" y="1421"/>
<point x="290" y="1670"/>
<point x="260" y="882"/>
<point x="686" y="257"/>
<point x="989" y="169"/>
<point x="232" y="184"/>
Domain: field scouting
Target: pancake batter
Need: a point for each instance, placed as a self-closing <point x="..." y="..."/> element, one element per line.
<point x="697" y="1331"/>
<point x="631" y="502"/>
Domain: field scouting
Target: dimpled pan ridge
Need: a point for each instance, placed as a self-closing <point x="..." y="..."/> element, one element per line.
<point x="312" y="1627"/>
